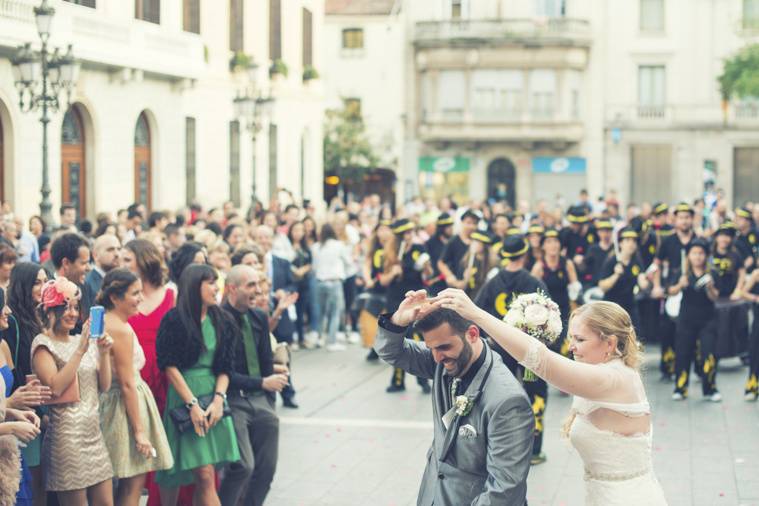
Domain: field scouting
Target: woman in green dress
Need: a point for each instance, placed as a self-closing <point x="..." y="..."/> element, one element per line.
<point x="194" y="347"/>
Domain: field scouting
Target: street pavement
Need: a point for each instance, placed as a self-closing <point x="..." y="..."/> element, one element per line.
<point x="350" y="443"/>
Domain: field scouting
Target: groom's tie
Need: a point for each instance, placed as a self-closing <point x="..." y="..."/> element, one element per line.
<point x="454" y="390"/>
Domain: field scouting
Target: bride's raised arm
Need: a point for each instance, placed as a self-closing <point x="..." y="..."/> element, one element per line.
<point x="584" y="380"/>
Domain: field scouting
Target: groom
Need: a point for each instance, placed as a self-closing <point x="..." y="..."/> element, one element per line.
<point x="483" y="420"/>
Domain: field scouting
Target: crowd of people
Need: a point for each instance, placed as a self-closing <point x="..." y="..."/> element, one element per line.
<point x="205" y="308"/>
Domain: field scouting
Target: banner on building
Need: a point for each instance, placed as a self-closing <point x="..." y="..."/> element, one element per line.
<point x="560" y="165"/>
<point x="444" y="164"/>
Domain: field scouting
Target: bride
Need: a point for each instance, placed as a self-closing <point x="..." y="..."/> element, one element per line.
<point x="610" y="420"/>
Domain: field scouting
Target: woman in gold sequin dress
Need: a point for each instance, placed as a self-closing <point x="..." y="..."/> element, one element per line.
<point x="73" y="451"/>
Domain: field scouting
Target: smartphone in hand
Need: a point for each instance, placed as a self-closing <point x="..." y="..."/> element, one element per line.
<point x="97" y="321"/>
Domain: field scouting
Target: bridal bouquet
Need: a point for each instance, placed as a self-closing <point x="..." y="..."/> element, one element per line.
<point x="537" y="315"/>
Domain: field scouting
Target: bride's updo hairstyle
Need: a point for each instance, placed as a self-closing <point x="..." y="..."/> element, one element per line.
<point x="609" y="319"/>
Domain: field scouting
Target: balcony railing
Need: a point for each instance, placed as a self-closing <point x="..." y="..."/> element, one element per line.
<point x="564" y="31"/>
<point x="738" y="114"/>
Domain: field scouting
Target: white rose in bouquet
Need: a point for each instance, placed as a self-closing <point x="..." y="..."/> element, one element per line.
<point x="554" y="324"/>
<point x="536" y="315"/>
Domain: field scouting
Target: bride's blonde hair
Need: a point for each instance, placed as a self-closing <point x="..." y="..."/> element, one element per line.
<point x="609" y="319"/>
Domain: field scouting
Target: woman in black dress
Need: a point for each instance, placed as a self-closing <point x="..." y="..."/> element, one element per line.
<point x="622" y="275"/>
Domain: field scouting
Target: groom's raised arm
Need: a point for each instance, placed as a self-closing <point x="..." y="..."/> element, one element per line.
<point x="509" y="436"/>
<point x="392" y="346"/>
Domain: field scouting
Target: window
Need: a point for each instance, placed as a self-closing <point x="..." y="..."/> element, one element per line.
<point x="191" y="16"/>
<point x="189" y="159"/>
<point x="652" y="16"/>
<point x="353" y="38"/>
<point x="148" y="10"/>
<point x="353" y="107"/>
<point x="234" y="162"/>
<point x="542" y="93"/>
<point x="275" y="30"/>
<point x="236" y="30"/>
<point x="651" y="91"/>
<point x="745" y="175"/>
<point x="751" y="14"/>
<point x="451" y="94"/>
<point x="85" y="3"/>
<point x="456" y="9"/>
<point x="308" y="36"/>
<point x="497" y="94"/>
<point x="551" y="8"/>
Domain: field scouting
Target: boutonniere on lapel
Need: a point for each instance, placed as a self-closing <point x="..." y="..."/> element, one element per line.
<point x="463" y="405"/>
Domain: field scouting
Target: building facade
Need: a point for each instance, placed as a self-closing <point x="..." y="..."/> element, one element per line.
<point x="527" y="100"/>
<point x="152" y="119"/>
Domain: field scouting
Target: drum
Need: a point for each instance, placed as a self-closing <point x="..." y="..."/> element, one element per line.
<point x="372" y="306"/>
<point x="672" y="305"/>
<point x="732" y="327"/>
<point x="592" y="294"/>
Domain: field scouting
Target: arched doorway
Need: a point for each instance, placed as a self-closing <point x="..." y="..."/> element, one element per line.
<point x="73" y="167"/>
<point x="501" y="181"/>
<point x="143" y="180"/>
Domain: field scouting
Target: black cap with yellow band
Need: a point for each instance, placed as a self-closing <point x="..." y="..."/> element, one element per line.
<point x="660" y="208"/>
<point x="577" y="214"/>
<point x="728" y="228"/>
<point x="604" y="225"/>
<point x="513" y="247"/>
<point x="684" y="207"/>
<point x="481" y="237"/>
<point x="402" y="226"/>
<point x="743" y="212"/>
<point x="536" y="229"/>
<point x="628" y="233"/>
<point x="444" y="220"/>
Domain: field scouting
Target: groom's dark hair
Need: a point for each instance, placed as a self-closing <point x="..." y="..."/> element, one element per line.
<point x="440" y="316"/>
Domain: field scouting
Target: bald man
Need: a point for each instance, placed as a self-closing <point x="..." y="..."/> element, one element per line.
<point x="105" y="253"/>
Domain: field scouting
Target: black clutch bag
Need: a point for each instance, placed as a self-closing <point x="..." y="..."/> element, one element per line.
<point x="181" y="415"/>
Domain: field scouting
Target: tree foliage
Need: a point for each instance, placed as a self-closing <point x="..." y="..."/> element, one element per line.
<point x="740" y="77"/>
<point x="347" y="149"/>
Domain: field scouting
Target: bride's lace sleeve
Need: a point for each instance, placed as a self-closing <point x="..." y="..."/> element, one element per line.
<point x="536" y="358"/>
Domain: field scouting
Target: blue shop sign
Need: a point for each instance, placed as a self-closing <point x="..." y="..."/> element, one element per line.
<point x="561" y="165"/>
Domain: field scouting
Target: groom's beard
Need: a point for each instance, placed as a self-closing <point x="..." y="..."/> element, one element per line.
<point x="462" y="360"/>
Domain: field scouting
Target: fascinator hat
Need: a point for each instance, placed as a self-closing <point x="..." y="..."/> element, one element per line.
<point x="59" y="292"/>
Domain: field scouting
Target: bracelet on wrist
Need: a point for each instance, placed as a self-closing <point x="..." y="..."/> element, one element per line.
<point x="193" y="402"/>
<point x="221" y="394"/>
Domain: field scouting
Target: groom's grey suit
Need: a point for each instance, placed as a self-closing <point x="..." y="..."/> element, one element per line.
<point x="488" y="468"/>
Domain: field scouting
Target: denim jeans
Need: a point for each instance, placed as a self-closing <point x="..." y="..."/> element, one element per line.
<point x="330" y="295"/>
<point x="314" y="311"/>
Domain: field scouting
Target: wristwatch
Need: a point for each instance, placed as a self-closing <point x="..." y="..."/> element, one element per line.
<point x="193" y="402"/>
<point x="222" y="395"/>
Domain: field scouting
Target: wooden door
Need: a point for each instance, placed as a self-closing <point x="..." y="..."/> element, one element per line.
<point x="73" y="169"/>
<point x="143" y="184"/>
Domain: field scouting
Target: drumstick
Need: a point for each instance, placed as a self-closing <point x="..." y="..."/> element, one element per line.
<point x="401" y="250"/>
<point x="683" y="262"/>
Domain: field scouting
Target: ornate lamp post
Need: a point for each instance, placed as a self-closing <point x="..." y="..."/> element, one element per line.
<point x="40" y="77"/>
<point x="254" y="109"/>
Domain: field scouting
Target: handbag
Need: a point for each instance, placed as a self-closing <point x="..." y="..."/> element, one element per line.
<point x="181" y="415"/>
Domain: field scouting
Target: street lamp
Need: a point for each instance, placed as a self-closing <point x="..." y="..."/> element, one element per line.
<point x="57" y="72"/>
<point x="253" y="108"/>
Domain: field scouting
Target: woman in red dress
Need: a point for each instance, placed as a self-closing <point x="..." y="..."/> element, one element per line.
<point x="144" y="259"/>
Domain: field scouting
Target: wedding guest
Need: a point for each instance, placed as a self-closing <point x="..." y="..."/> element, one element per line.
<point x="331" y="260"/>
<point x="70" y="254"/>
<point x="7" y="261"/>
<point x="24" y="295"/>
<point x="77" y="463"/>
<point x="129" y="417"/>
<point x="106" y="255"/>
<point x="302" y="271"/>
<point x="254" y="382"/>
<point x="196" y="350"/>
<point x="248" y="255"/>
<point x="189" y="253"/>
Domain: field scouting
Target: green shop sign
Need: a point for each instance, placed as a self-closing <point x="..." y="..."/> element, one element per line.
<point x="443" y="164"/>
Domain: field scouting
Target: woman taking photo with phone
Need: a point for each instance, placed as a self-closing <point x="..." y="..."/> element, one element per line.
<point x="77" y="370"/>
<point x="195" y="348"/>
<point x="129" y="417"/>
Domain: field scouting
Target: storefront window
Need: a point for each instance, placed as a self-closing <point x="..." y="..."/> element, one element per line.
<point x="444" y="176"/>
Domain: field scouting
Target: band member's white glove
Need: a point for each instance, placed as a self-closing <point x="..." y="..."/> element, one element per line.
<point x="574" y="290"/>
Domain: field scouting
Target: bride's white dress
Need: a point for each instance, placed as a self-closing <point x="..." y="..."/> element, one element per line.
<point x="618" y="468"/>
